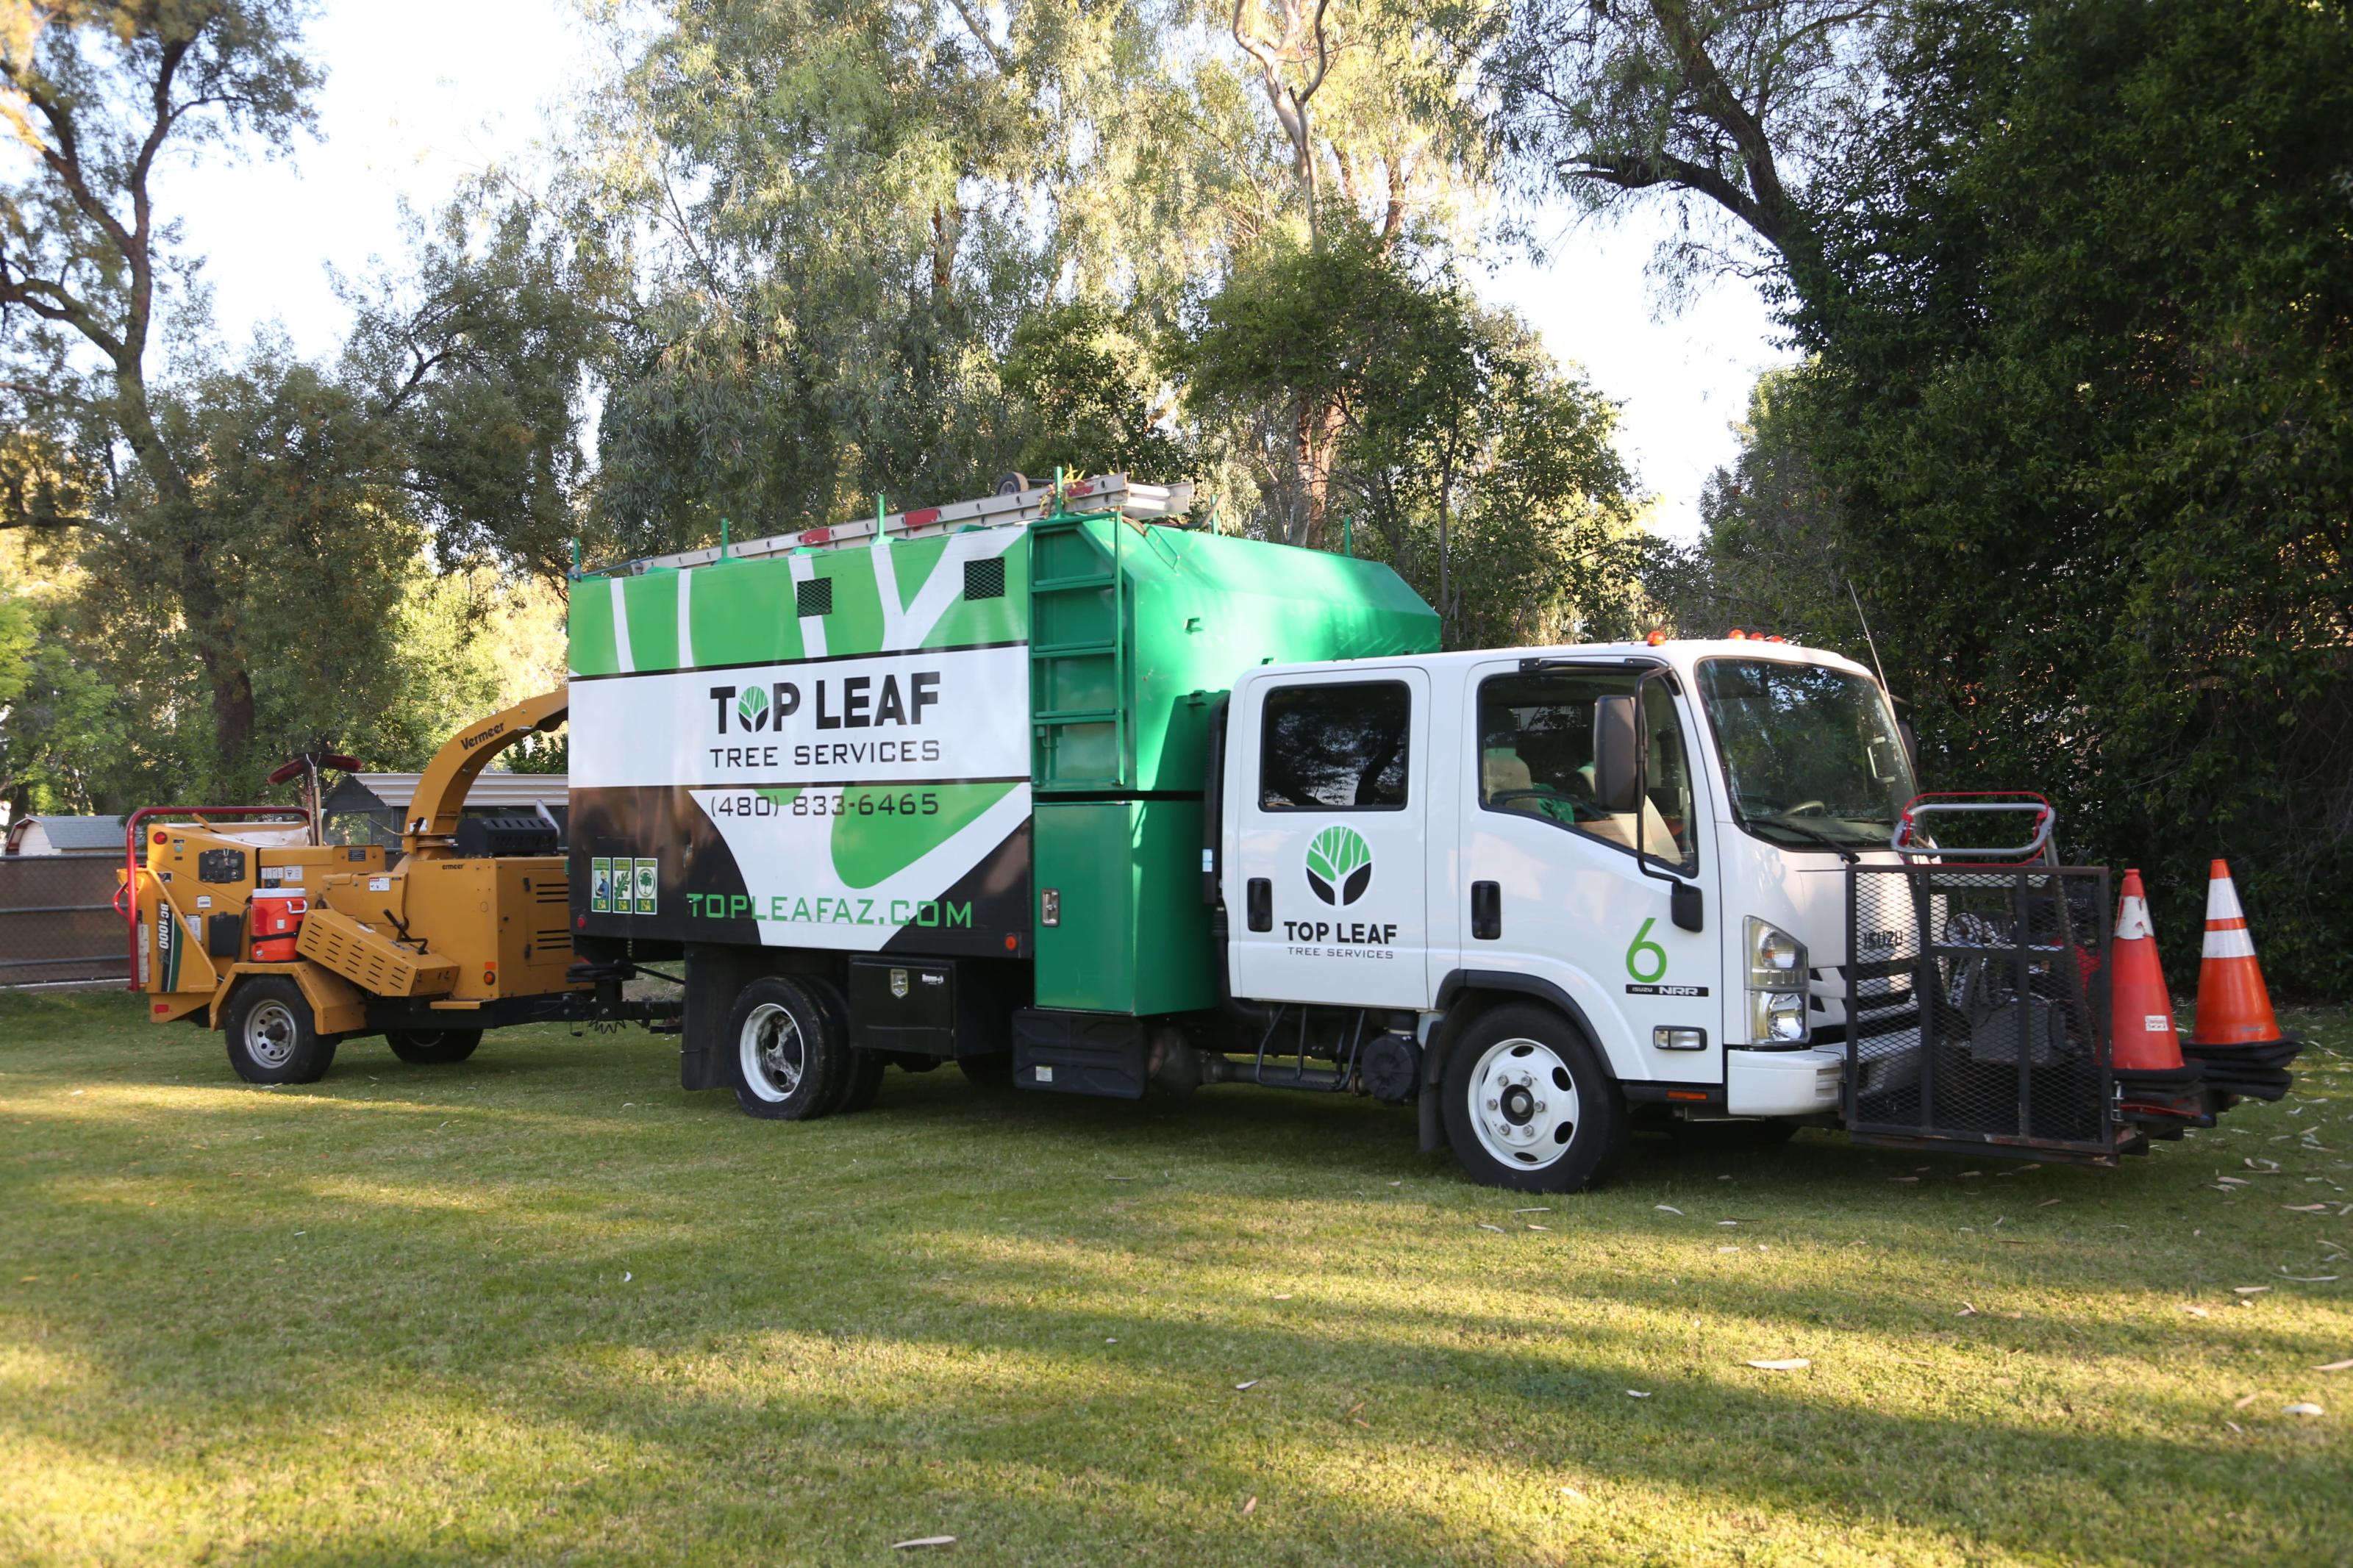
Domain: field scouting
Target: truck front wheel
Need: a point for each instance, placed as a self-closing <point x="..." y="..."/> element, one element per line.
<point x="788" y="1055"/>
<point x="272" y="1036"/>
<point x="1528" y="1106"/>
<point x="432" y="1048"/>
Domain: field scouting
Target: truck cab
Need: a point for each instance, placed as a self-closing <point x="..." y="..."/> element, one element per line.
<point x="1627" y="859"/>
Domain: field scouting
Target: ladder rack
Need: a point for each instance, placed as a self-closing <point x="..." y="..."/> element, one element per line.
<point x="1103" y="493"/>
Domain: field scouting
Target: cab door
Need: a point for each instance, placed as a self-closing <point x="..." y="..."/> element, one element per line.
<point x="1551" y="886"/>
<point x="1326" y="820"/>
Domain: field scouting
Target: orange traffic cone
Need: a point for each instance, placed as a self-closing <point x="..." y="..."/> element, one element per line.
<point x="2236" y="1037"/>
<point x="2234" y="1006"/>
<point x="2140" y="1011"/>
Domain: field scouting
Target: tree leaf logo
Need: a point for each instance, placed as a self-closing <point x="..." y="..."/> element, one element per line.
<point x="1339" y="866"/>
<point x="752" y="709"/>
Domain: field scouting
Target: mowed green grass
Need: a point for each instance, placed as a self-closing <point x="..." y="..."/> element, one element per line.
<point x="545" y="1307"/>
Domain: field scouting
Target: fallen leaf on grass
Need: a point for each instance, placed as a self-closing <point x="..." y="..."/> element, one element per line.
<point x="1572" y="1494"/>
<point x="2336" y="1366"/>
<point x="2234" y="1426"/>
<point x="2249" y="1289"/>
<point x="2249" y="1399"/>
<point x="1535" y="1227"/>
<point x="1795" y="1363"/>
<point x="1284" y="1297"/>
<point x="1967" y="1312"/>
<point x="2310" y="1279"/>
<point x="1727" y="1249"/>
<point x="1496" y="1228"/>
<point x="1249" y="1508"/>
<point x="2046" y="1203"/>
<point x="1638" y="1393"/>
<point x="1540" y="1208"/>
<point x="2306" y="1208"/>
<point x="626" y="1278"/>
<point x="1666" y="1208"/>
<point x="1722" y="1223"/>
<point x="1240" y="1386"/>
<point x="2197" y="1311"/>
<point x="2302" y="1407"/>
<point x="924" y="1541"/>
<point x="1903" y="1178"/>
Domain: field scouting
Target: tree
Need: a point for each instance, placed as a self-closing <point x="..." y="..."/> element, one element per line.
<point x="2080" y="396"/>
<point x="95" y="93"/>
<point x="1739" y="102"/>
<point x="1481" y="472"/>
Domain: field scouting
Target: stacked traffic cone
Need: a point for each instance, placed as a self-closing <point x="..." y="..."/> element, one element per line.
<point x="2235" y="1036"/>
<point x="2158" y="1090"/>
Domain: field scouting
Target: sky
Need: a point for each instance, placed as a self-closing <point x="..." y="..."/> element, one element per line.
<point x="403" y="117"/>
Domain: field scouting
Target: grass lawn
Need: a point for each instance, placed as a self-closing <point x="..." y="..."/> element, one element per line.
<point x="545" y="1306"/>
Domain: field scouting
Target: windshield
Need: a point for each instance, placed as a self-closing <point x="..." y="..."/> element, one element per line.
<point x="1811" y="754"/>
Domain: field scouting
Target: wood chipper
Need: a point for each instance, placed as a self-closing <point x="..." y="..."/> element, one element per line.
<point x="244" y="919"/>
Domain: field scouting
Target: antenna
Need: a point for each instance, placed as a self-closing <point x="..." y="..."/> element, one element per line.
<point x="1866" y="631"/>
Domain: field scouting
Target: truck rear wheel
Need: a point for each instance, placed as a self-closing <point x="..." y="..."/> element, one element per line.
<point x="272" y="1036"/>
<point x="432" y="1048"/>
<point x="1528" y="1106"/>
<point x="788" y="1056"/>
<point x="860" y="1078"/>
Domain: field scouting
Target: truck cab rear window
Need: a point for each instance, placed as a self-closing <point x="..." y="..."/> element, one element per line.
<point x="1334" y="747"/>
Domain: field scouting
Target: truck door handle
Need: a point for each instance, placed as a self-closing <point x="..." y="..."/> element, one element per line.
<point x="1262" y="904"/>
<point x="1486" y="910"/>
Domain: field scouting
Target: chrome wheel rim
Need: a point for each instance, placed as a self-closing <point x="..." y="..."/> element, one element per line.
<point x="772" y="1052"/>
<point x="1524" y="1103"/>
<point x="270" y="1034"/>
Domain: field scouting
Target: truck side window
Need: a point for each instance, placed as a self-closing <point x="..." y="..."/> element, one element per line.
<point x="1536" y="759"/>
<point x="1335" y="747"/>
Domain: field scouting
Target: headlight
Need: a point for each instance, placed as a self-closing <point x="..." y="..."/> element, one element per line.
<point x="1777" y="960"/>
<point x="1777" y="1017"/>
<point x="1777" y="986"/>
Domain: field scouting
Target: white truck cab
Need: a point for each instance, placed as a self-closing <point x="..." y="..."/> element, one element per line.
<point x="1627" y="859"/>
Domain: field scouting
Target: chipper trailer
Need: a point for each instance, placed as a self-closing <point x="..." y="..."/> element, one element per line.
<point x="245" y="920"/>
<point x="1087" y="797"/>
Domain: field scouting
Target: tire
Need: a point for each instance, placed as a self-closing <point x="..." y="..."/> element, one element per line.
<point x="862" y="1076"/>
<point x="1558" y="1122"/>
<point x="990" y="1074"/>
<point x="432" y="1048"/>
<point x="272" y="1036"/>
<point x="784" y="1054"/>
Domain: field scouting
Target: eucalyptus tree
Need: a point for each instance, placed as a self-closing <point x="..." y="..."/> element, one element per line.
<point x="100" y="99"/>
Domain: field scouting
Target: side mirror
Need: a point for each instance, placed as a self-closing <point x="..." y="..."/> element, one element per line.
<point x="1617" y="754"/>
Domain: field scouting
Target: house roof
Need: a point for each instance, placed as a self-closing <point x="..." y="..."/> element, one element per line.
<point x="65" y="835"/>
<point x="392" y="791"/>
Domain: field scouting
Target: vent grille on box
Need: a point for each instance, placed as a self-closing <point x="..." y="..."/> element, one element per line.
<point x="984" y="579"/>
<point x="814" y="597"/>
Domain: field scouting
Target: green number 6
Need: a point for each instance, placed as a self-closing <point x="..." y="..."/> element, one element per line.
<point x="1641" y="946"/>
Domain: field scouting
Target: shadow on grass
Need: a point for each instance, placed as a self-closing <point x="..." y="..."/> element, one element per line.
<point x="841" y="1334"/>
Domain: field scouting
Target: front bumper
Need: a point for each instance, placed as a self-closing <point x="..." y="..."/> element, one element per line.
<point x="1782" y="1083"/>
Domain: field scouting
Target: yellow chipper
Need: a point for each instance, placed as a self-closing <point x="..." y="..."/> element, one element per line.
<point x="244" y="919"/>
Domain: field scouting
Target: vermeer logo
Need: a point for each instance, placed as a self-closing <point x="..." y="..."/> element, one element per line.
<point x="1339" y="866"/>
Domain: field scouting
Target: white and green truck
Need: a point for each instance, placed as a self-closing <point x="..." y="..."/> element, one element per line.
<point x="1087" y="798"/>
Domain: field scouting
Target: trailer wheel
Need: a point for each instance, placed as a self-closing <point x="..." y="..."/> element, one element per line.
<point x="272" y="1036"/>
<point x="788" y="1055"/>
<point x="432" y="1048"/>
<point x="1527" y="1105"/>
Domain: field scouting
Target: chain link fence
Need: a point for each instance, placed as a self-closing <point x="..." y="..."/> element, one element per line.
<point x="58" y="920"/>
